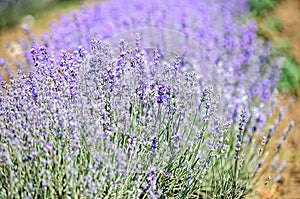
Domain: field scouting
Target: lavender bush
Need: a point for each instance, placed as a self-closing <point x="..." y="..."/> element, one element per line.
<point x="226" y="42"/>
<point x="133" y="126"/>
<point x="93" y="122"/>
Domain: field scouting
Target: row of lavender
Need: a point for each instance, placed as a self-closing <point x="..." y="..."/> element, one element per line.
<point x="173" y="110"/>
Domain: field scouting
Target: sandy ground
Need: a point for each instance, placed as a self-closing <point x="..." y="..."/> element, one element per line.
<point x="289" y="185"/>
<point x="288" y="12"/>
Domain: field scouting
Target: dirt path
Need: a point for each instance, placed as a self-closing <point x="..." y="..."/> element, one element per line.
<point x="289" y="185"/>
<point x="288" y="12"/>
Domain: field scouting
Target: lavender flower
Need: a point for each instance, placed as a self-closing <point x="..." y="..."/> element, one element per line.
<point x="126" y="120"/>
<point x="284" y="136"/>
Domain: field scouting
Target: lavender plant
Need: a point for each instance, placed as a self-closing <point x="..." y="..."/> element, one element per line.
<point x="138" y="124"/>
<point x="226" y="42"/>
<point x="91" y="125"/>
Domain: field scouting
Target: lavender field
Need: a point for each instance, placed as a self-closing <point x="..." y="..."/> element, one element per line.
<point x="142" y="99"/>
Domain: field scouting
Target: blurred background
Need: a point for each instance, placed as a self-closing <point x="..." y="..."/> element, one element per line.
<point x="14" y="11"/>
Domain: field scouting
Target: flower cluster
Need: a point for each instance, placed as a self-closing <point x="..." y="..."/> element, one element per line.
<point x="130" y="120"/>
<point x="228" y="52"/>
<point x="95" y="125"/>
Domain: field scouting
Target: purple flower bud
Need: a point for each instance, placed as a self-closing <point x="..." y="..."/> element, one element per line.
<point x="49" y="145"/>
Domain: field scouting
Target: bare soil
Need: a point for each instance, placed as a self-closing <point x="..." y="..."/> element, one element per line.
<point x="288" y="12"/>
<point x="289" y="185"/>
